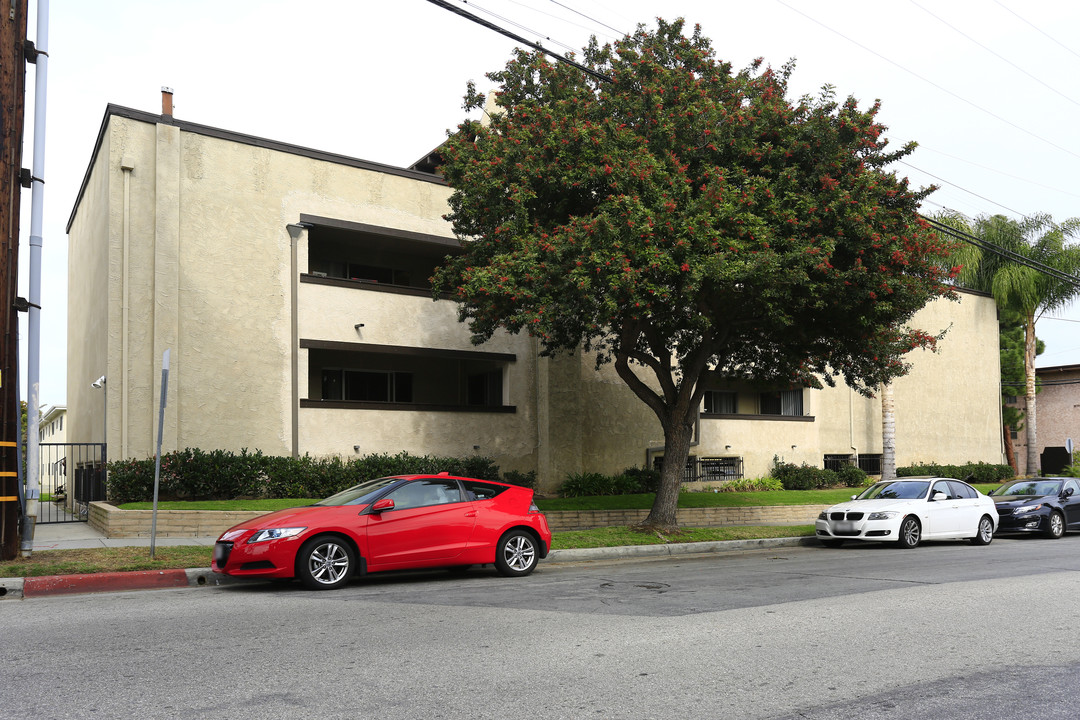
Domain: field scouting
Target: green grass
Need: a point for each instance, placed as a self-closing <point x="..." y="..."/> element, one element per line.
<point x="97" y="560"/>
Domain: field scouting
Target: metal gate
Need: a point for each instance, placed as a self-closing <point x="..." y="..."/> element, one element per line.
<point x="72" y="475"/>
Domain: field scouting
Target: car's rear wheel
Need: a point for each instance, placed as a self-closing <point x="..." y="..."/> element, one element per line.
<point x="516" y="554"/>
<point x="833" y="543"/>
<point x="1055" y="526"/>
<point x="325" y="562"/>
<point x="985" y="533"/>
<point x="910" y="532"/>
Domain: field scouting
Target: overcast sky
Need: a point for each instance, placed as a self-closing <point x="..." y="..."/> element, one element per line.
<point x="988" y="88"/>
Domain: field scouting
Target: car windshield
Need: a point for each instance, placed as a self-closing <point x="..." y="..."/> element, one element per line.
<point x="906" y="490"/>
<point x="1030" y="487"/>
<point x="359" y="494"/>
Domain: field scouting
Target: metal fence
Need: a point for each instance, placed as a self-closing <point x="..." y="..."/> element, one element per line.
<point x="709" y="469"/>
<point x="869" y="464"/>
<point x="72" y="475"/>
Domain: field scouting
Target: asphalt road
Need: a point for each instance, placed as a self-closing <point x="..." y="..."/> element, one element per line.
<point x="944" y="631"/>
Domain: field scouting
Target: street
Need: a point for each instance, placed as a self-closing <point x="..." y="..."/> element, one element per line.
<point x="947" y="630"/>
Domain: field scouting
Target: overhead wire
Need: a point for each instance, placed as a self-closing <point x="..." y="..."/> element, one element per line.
<point x="937" y="225"/>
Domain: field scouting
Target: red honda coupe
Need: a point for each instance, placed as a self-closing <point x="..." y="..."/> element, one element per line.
<point x="392" y="523"/>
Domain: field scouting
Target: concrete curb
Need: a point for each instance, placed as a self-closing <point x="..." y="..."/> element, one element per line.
<point x="672" y="549"/>
<point x="19" y="588"/>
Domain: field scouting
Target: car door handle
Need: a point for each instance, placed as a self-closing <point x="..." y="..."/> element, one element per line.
<point x="471" y="513"/>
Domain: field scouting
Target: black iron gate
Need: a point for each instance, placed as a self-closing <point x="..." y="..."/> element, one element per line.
<point x="71" y="476"/>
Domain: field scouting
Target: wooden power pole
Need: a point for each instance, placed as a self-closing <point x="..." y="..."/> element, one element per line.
<point x="13" y="56"/>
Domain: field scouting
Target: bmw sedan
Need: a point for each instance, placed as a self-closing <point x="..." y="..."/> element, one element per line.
<point x="910" y="510"/>
<point x="392" y="523"/>
<point x="1049" y="506"/>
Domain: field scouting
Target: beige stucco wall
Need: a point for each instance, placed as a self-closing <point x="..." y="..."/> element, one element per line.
<point x="212" y="267"/>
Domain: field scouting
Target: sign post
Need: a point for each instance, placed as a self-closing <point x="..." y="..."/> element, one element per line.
<point x="157" y="460"/>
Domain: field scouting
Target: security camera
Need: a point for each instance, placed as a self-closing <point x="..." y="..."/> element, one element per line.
<point x="99" y="383"/>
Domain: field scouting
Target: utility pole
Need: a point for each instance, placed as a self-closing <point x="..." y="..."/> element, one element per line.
<point x="13" y="57"/>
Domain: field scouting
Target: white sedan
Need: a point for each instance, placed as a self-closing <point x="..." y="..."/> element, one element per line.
<point x="910" y="510"/>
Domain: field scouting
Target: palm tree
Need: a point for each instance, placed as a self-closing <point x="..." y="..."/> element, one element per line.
<point x="1016" y="286"/>
<point x="888" y="433"/>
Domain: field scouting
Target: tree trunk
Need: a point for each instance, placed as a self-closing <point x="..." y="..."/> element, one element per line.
<point x="1010" y="452"/>
<point x="1029" y="397"/>
<point x="888" y="433"/>
<point x="665" y="510"/>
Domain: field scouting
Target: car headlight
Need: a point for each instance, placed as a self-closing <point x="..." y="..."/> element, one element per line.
<point x="824" y="515"/>
<point x="275" y="534"/>
<point x="1027" y="509"/>
<point x="883" y="515"/>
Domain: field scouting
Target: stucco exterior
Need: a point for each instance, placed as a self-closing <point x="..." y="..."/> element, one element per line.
<point x="277" y="276"/>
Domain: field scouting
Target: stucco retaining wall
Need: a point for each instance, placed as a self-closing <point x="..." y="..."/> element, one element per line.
<point x="116" y="523"/>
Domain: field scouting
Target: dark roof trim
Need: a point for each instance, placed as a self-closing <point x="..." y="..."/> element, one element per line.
<point x="1057" y="369"/>
<point x="406" y="350"/>
<point x="242" y="139"/>
<point x="379" y="230"/>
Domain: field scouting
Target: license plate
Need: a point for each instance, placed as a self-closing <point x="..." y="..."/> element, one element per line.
<point x="843" y="526"/>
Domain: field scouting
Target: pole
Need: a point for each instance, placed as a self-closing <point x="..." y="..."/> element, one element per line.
<point x="33" y="396"/>
<point x="157" y="460"/>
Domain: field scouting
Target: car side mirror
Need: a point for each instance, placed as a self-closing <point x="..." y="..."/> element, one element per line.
<point x="384" y="504"/>
<point x="1068" y="492"/>
<point x="938" y="496"/>
<point x="854" y="496"/>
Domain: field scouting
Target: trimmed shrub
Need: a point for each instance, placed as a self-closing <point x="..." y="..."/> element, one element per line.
<point x="586" y="484"/>
<point x="803" y="477"/>
<point x="981" y="473"/>
<point x="193" y="474"/>
<point x="751" y="485"/>
<point x="852" y="476"/>
<point x="522" y="479"/>
<point x="640" y="480"/>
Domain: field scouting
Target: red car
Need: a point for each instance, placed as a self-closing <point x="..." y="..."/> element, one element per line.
<point x="392" y="523"/>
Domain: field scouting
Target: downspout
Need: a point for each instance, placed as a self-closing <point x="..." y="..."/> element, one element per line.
<point x="295" y="231"/>
<point x="126" y="167"/>
<point x="33" y="442"/>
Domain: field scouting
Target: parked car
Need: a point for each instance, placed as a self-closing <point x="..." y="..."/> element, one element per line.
<point x="392" y="523"/>
<point x="910" y="510"/>
<point x="1038" y="505"/>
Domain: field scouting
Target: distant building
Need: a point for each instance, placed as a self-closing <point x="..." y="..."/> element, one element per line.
<point x="291" y="287"/>
<point x="1057" y="418"/>
<point x="52" y="433"/>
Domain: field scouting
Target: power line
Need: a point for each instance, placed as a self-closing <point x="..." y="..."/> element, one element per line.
<point x="993" y="52"/>
<point x="1037" y="29"/>
<point x="930" y="82"/>
<point x="502" y="31"/>
<point x="1003" y="252"/>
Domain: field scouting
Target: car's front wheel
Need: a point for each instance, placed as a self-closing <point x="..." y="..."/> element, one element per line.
<point x="910" y="532"/>
<point x="516" y="554"/>
<point x="1055" y="525"/>
<point x="985" y="533"/>
<point x="325" y="563"/>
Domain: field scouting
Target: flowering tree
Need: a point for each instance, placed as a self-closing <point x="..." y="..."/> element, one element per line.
<point x="683" y="222"/>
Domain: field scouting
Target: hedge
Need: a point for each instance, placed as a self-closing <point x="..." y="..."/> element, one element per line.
<point x="980" y="473"/>
<point x="193" y="474"/>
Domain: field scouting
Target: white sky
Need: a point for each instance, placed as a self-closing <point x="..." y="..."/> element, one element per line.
<point x="987" y="87"/>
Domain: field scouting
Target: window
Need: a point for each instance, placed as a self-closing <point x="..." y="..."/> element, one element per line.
<point x="367" y="385"/>
<point x="782" y="402"/>
<point x="720" y="402"/>
<point x="1010" y="399"/>
<point x="962" y="490"/>
<point x="485" y="388"/>
<point x="481" y="490"/>
<point x="421" y="493"/>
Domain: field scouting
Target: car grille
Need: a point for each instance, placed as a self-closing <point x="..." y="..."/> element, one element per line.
<point x="846" y="516"/>
<point x="222" y="550"/>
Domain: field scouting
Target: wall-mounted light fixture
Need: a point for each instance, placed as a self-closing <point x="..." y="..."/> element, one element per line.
<point x="794" y="446"/>
<point x="727" y="447"/>
<point x="357" y="326"/>
<point x="356" y="448"/>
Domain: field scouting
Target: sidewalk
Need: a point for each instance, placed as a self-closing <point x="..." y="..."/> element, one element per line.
<point x="64" y="536"/>
<point x="68" y="536"/>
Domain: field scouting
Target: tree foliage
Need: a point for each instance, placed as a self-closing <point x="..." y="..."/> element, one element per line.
<point x="684" y="221"/>
<point x="1022" y="290"/>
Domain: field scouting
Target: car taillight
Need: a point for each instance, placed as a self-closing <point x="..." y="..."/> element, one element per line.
<point x="533" y="509"/>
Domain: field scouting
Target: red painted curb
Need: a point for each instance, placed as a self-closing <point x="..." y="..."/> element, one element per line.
<point x="104" y="582"/>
